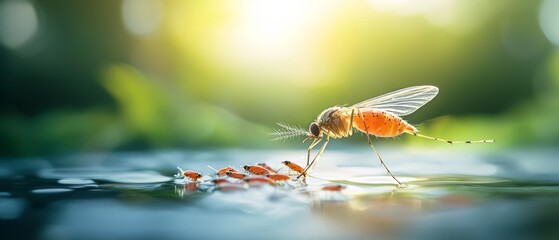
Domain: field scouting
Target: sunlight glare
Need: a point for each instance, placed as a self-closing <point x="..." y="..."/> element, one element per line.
<point x="272" y="27"/>
<point x="257" y="40"/>
<point x="274" y="37"/>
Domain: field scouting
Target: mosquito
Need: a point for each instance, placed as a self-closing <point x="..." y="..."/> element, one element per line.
<point x="379" y="116"/>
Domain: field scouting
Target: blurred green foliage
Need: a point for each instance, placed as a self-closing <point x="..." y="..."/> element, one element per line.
<point x="532" y="123"/>
<point x="114" y="75"/>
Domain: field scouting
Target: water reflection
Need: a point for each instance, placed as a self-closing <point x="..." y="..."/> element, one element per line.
<point x="75" y="181"/>
<point x="438" y="212"/>
<point x="382" y="214"/>
<point x="51" y="190"/>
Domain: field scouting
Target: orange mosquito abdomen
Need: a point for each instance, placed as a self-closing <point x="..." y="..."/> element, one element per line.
<point x="380" y="123"/>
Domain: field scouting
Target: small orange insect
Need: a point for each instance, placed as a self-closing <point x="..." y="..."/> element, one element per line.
<point x="236" y="175"/>
<point x="256" y="170"/>
<point x="278" y="177"/>
<point x="189" y="174"/>
<point x="294" y="167"/>
<point x="379" y="116"/>
<point x="221" y="172"/>
<point x="264" y="165"/>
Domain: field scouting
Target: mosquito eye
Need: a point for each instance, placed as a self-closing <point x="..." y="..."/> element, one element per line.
<point x="315" y="130"/>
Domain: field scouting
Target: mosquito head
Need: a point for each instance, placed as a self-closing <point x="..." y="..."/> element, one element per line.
<point x="315" y="131"/>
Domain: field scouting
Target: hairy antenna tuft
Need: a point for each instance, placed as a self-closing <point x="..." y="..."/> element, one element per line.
<point x="286" y="132"/>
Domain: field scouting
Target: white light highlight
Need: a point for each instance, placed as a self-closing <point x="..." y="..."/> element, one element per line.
<point x="549" y="20"/>
<point x="142" y="17"/>
<point x="18" y="23"/>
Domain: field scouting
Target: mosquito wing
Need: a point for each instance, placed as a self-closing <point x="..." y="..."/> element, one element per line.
<point x="401" y="102"/>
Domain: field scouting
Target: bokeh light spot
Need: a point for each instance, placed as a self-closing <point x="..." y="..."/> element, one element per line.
<point x="142" y="17"/>
<point x="18" y="23"/>
<point x="549" y="18"/>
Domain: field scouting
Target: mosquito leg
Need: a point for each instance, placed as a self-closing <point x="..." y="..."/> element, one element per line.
<point x="375" y="150"/>
<point x="451" y="141"/>
<point x="379" y="158"/>
<point x="313" y="162"/>
<point x="313" y="144"/>
<point x="351" y="122"/>
<point x="364" y="123"/>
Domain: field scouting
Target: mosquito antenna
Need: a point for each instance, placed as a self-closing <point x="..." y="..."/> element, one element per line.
<point x="212" y="168"/>
<point x="286" y="132"/>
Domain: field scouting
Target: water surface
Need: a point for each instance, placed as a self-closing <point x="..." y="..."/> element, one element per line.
<point x="448" y="194"/>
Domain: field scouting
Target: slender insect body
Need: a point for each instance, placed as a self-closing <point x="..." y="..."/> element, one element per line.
<point x="379" y="116"/>
<point x="338" y="122"/>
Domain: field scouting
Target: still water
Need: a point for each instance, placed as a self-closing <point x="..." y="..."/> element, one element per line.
<point x="448" y="194"/>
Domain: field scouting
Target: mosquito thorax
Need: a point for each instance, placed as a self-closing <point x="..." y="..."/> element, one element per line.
<point x="325" y="116"/>
<point x="335" y="122"/>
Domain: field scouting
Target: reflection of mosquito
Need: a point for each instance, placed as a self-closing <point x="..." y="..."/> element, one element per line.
<point x="379" y="116"/>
